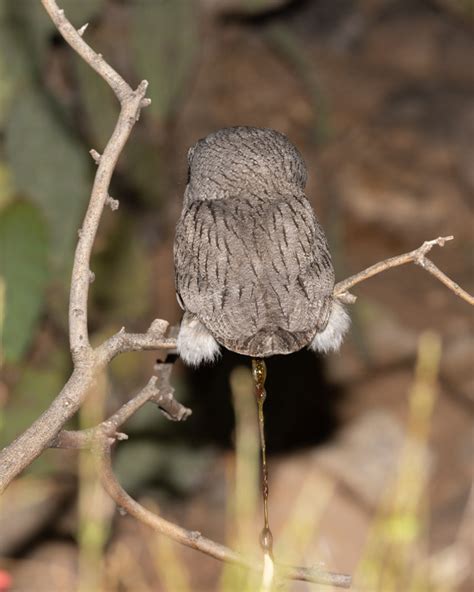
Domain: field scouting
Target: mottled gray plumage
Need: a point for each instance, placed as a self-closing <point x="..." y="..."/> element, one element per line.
<point x="253" y="269"/>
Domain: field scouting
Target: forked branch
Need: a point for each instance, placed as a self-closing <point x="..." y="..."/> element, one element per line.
<point x="101" y="440"/>
<point x="88" y="362"/>
<point x="418" y="256"/>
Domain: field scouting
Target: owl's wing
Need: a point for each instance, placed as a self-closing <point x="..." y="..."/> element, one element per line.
<point x="256" y="272"/>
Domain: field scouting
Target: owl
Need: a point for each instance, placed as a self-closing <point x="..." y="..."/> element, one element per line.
<point x="253" y="270"/>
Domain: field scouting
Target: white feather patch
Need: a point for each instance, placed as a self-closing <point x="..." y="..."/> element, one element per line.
<point x="331" y="338"/>
<point x="195" y="344"/>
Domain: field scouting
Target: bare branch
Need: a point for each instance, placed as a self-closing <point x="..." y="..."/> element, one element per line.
<point x="194" y="539"/>
<point x="130" y="105"/>
<point x="418" y="256"/>
<point x="121" y="89"/>
<point x="166" y="402"/>
<point x="87" y="363"/>
<point x="101" y="438"/>
<point x="123" y="342"/>
<point x="171" y="408"/>
<point x="79" y="337"/>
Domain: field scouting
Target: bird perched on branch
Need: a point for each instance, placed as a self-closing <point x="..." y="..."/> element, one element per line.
<point x="253" y="269"/>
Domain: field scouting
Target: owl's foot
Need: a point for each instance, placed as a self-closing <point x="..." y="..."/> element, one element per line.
<point x="195" y="344"/>
<point x="331" y="338"/>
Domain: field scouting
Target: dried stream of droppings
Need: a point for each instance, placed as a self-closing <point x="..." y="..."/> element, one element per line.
<point x="259" y="372"/>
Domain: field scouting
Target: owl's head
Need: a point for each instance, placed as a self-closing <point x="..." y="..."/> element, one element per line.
<point x="244" y="160"/>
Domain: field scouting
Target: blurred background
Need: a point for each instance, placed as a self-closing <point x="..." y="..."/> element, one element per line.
<point x="378" y="95"/>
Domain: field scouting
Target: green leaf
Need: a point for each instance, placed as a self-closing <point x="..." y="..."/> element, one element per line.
<point x="24" y="269"/>
<point x="51" y="167"/>
<point x="164" y="41"/>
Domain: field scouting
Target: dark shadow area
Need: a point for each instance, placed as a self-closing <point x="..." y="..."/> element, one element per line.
<point x="300" y="409"/>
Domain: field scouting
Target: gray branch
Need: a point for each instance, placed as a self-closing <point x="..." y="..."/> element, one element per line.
<point x="89" y="363"/>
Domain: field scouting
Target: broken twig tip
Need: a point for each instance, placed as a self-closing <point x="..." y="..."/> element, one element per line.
<point x="158" y="327"/>
<point x="445" y="239"/>
<point x="346" y="298"/>
<point x="95" y="155"/>
<point x="112" y="203"/>
<point x="82" y="30"/>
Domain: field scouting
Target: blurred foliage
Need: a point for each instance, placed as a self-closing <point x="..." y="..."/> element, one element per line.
<point x="292" y="51"/>
<point x="163" y="44"/>
<point x="180" y="468"/>
<point x="123" y="264"/>
<point x="393" y="557"/>
<point x="23" y="267"/>
<point x="99" y="103"/>
<point x="50" y="167"/>
<point x="32" y="393"/>
<point x="7" y="188"/>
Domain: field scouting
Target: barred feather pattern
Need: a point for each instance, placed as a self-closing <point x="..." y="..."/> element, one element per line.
<point x="252" y="262"/>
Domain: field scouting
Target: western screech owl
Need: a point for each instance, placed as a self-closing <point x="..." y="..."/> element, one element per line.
<point x="253" y="269"/>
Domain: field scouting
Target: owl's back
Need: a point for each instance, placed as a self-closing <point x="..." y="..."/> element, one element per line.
<point x="256" y="272"/>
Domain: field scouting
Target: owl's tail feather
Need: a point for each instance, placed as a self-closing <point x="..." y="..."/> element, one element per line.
<point x="196" y="345"/>
<point x="269" y="342"/>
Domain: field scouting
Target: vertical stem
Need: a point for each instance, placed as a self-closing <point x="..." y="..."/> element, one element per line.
<point x="259" y="372"/>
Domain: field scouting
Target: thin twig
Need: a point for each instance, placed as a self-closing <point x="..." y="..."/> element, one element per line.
<point x="171" y="408"/>
<point x="417" y="256"/>
<point x="95" y="60"/>
<point x="122" y="342"/>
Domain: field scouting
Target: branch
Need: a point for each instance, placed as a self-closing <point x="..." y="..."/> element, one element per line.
<point x="100" y="440"/>
<point x="131" y="103"/>
<point x="88" y="363"/>
<point x="194" y="539"/>
<point x="122" y="342"/>
<point x="163" y="397"/>
<point x="418" y="256"/>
